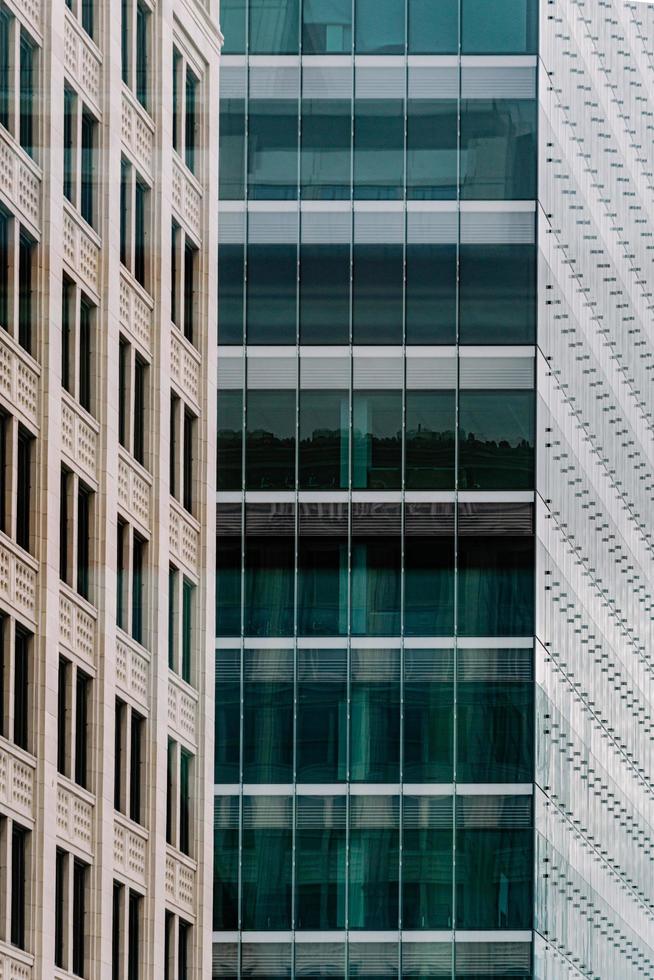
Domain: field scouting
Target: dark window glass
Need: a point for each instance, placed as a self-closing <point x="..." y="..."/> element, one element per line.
<point x="326" y="149"/>
<point x="141" y="79"/>
<point x="119" y="753"/>
<point x="64" y="527"/>
<point x="190" y="264"/>
<point x="496" y="440"/>
<point x="225" y="872"/>
<point x="170" y="778"/>
<point x="5" y="68"/>
<point x="125" y="13"/>
<point x="427" y="860"/>
<point x="140" y="240"/>
<point x="272" y="149"/>
<point x="379" y="149"/>
<point x="172" y="616"/>
<point x="324" y="440"/>
<point x="431" y="294"/>
<point x="183" y="950"/>
<point x="84" y="541"/>
<point x="24" y="496"/>
<point x="495" y="586"/>
<point x="116" y="920"/>
<point x="125" y="185"/>
<point x="376" y="592"/>
<point x="67" y="299"/>
<point x="379" y="27"/>
<point x="123" y="391"/>
<point x="191" y="121"/>
<point x="377" y="294"/>
<point x="26" y="292"/>
<point x="498" y="149"/>
<point x="321" y="726"/>
<point x="229" y="439"/>
<point x="185" y="767"/>
<point x="272" y="294"/>
<point x="428" y="580"/>
<point x="375" y="716"/>
<point x="5" y="481"/>
<point x="138" y="588"/>
<point x="324" y="294"/>
<point x="60" y="872"/>
<point x="267" y="716"/>
<point x="320" y="863"/>
<point x="27" y="93"/>
<point x="85" y="353"/>
<point x="69" y="144"/>
<point x="174" y="274"/>
<point x="87" y="185"/>
<point x="187" y="629"/>
<point x="506" y="27"/>
<point x="228" y="586"/>
<point x="177" y="109"/>
<point x="494" y="871"/>
<point x="374" y="863"/>
<point x="497" y="294"/>
<point x="133" y="941"/>
<point x="232" y="150"/>
<point x="322" y="583"/>
<point x="228" y="717"/>
<point x="428" y="716"/>
<point x="274" y="26"/>
<point x="173" y="461"/>
<point x="429" y="440"/>
<point x="79" y="917"/>
<point x="88" y="13"/>
<point x="231" y="293"/>
<point x="433" y="26"/>
<point x="266" y="872"/>
<point x="232" y="24"/>
<point x="270" y="442"/>
<point x="377" y="440"/>
<point x="22" y="644"/>
<point x="18" y="903"/>
<point x="269" y="566"/>
<point x="327" y="27"/>
<point x="4" y="266"/>
<point x="121" y="575"/>
<point x="432" y="151"/>
<point x="136" y="766"/>
<point x="4" y="672"/>
<point x="188" y="461"/>
<point x="62" y="715"/>
<point x="82" y="728"/>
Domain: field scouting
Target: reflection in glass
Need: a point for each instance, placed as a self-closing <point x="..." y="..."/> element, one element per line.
<point x="427" y="859"/>
<point x="428" y="716"/>
<point x="324" y="294"/>
<point x="498" y="149"/>
<point x="378" y="149"/>
<point x="327" y="26"/>
<point x="322" y="585"/>
<point x="377" y="440"/>
<point x="231" y="293"/>
<point x="431" y="293"/>
<point x="496" y="586"/>
<point x="267" y="716"/>
<point x="326" y="149"/>
<point x="227" y="768"/>
<point x="232" y="149"/>
<point x="379" y="27"/>
<point x="269" y="565"/>
<point x="429" y="584"/>
<point x="377" y="294"/>
<point x="374" y="863"/>
<point x="320" y="840"/>
<point x="225" y="863"/>
<point x="375" y="716"/>
<point x="503" y="27"/>
<point x="432" y="149"/>
<point x="229" y="439"/>
<point x="496" y="440"/>
<point x="228" y="585"/>
<point x="270" y="443"/>
<point x="494" y="878"/>
<point x="497" y="296"/>
<point x="376" y="591"/>
<point x="429" y="439"/>
<point x="266" y="863"/>
<point x="321" y="716"/>
<point x="274" y="26"/>
<point x="232" y="24"/>
<point x="272" y="149"/>
<point x="324" y="444"/>
<point x="271" y="294"/>
<point x="433" y="26"/>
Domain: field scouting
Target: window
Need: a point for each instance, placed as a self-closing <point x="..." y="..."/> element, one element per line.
<point x="183" y="429"/>
<point x="378" y="149"/>
<point x="181" y="613"/>
<point x="24" y="469"/>
<point x="498" y="149"/>
<point x="134" y="935"/>
<point x="497" y="294"/>
<point x="190" y="425"/>
<point x="26" y="290"/>
<point x="179" y="815"/>
<point x="184" y="950"/>
<point x="73" y="706"/>
<point x="496" y="440"/>
<point x="117" y="914"/>
<point x="326" y="27"/>
<point x="272" y="294"/>
<point x="6" y="483"/>
<point x="80" y="153"/>
<point x="129" y="762"/>
<point x="18" y="81"/>
<point x="375" y="34"/>
<point x="28" y="93"/>
<point x="61" y="917"/>
<point x="133" y="400"/>
<point x="138" y="588"/>
<point x="82" y="707"/>
<point x="326" y="155"/>
<point x="135" y="48"/>
<point x="232" y="150"/>
<point x="270" y="440"/>
<point x="134" y="223"/>
<point x="84" y="516"/>
<point x="324" y="294"/>
<point x="232" y="24"/>
<point x="63" y="717"/>
<point x="185" y="256"/>
<point x="510" y="27"/>
<point x="433" y="27"/>
<point x="121" y="573"/>
<point x="272" y="149"/>
<point x="132" y="584"/>
<point x="17" y="292"/>
<point x="186" y="105"/>
<point x="20" y="838"/>
<point x="5" y="66"/>
<point x="76" y="533"/>
<point x="78" y="344"/>
<point x="274" y="27"/>
<point x="85" y="11"/>
<point x="229" y="439"/>
<point x="16" y="683"/>
<point x="137" y="732"/>
<point x="80" y="913"/>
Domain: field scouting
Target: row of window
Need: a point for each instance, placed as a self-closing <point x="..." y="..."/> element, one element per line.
<point x="368" y="862"/>
<point x="376" y="716"/>
<point x="374" y="149"/>
<point x="376" y="440"/>
<point x="18" y="81"/>
<point x="377" y="294"/>
<point x="379" y="26"/>
<point x="389" y="575"/>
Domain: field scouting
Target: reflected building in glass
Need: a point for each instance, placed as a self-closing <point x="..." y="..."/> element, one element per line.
<point x="406" y="739"/>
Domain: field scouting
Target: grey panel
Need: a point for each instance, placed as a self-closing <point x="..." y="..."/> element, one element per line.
<point x="231" y="372"/>
<point x="233" y="82"/>
<point x="497" y="372"/>
<point x="378" y="372"/>
<point x="433" y="83"/>
<point x="273" y="226"/>
<point x="433" y="227"/>
<point x="430" y="373"/>
<point x="380" y="83"/>
<point x="379" y="226"/>
<point x="327" y="83"/>
<point x="502" y="82"/>
<point x="272" y="372"/>
<point x="498" y="226"/>
<point x="325" y="372"/>
<point x="326" y="227"/>
<point x="274" y="83"/>
<point x="231" y="227"/>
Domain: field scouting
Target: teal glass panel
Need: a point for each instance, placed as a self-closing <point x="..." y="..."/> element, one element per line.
<point x="377" y="294"/>
<point x="324" y="294"/>
<point x="375" y="716"/>
<point x="428" y="716"/>
<point x="232" y="24"/>
<point x="427" y="863"/>
<point x="498" y="149"/>
<point x="266" y="865"/>
<point x="228" y="585"/>
<point x="433" y="26"/>
<point x="320" y="848"/>
<point x="432" y="149"/>
<point x="377" y="440"/>
<point x="431" y="294"/>
<point x="494" y="871"/>
<point x="496" y="440"/>
<point x="274" y="26"/>
<point x="270" y="441"/>
<point x="322" y="585"/>
<point x="267" y="716"/>
<point x="273" y="149"/>
<point x="225" y="877"/>
<point x="497" y="297"/>
<point x="327" y="27"/>
<point x="272" y="294"/>
<point x="429" y="585"/>
<point x="326" y="155"/>
<point x="376" y="591"/>
<point x="500" y="27"/>
<point x="231" y="180"/>
<point x="269" y="565"/>
<point x="324" y="443"/>
<point x="496" y="586"/>
<point x="226" y="767"/>
<point x="229" y="439"/>
<point x="374" y="863"/>
<point x="231" y="293"/>
<point x="495" y="713"/>
<point x="379" y="27"/>
<point x="321" y="726"/>
<point x="379" y="149"/>
<point x="429" y="441"/>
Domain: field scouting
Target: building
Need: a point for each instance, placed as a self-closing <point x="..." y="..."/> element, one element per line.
<point x="434" y="542"/>
<point x="108" y="120"/>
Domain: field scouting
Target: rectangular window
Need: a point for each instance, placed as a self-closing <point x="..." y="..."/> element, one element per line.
<point x="190" y="120"/>
<point x="67" y="321"/>
<point x="88" y="17"/>
<point x="175" y="236"/>
<point x="142" y="54"/>
<point x="87" y="168"/>
<point x="123" y="391"/>
<point x="27" y="93"/>
<point x="5" y="229"/>
<point x="64" y="527"/>
<point x="119" y="753"/>
<point x="63" y="682"/>
<point x="177" y="109"/>
<point x="5" y="472"/>
<point x="173" y="576"/>
<point x="138" y="588"/>
<point x="125" y="15"/>
<point x="174" y="445"/>
<point x="137" y="732"/>
<point x="183" y="950"/>
<point x="85" y="382"/>
<point x="116" y="930"/>
<point x="133" y="939"/>
<point x="189" y="460"/>
<point x="24" y="495"/>
<point x="125" y="194"/>
<point x="80" y="875"/>
<point x="121" y="574"/>
<point x="170" y="788"/>
<point x="185" y="771"/>
<point x="140" y="375"/>
<point x="188" y="591"/>
<point x="5" y="68"/>
<point x="84" y="501"/>
<point x="18" y="913"/>
<point x="70" y="101"/>
<point x="190" y="264"/>
<point x="22" y="656"/>
<point x="60" y="915"/>
<point x="140" y="241"/>
<point x="82" y="732"/>
<point x="26" y="251"/>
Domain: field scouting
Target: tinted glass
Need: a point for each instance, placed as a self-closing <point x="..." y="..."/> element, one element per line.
<point x="375" y="585"/>
<point x="501" y="27"/>
<point x="426" y="872"/>
<point x="431" y="294"/>
<point x="272" y="149"/>
<point x="496" y="586"/>
<point x="493" y="879"/>
<point x="267" y="716"/>
<point x="378" y="149"/>
<point x="379" y="27"/>
<point x="270" y="443"/>
<point x="433" y="26"/>
<point x="429" y="440"/>
<point x="326" y="149"/>
<point x="428" y="585"/>
<point x="327" y="26"/>
<point x="231" y="293"/>
<point x="377" y="440"/>
<point x="324" y="444"/>
<point x="377" y="294"/>
<point x="232" y="149"/>
<point x="432" y="150"/>
<point x="497" y="298"/>
<point x="324" y="294"/>
<point x="321" y="724"/>
<point x="428" y="716"/>
<point x="322" y="585"/>
<point x="274" y="26"/>
<point x="228" y="586"/>
<point x="266" y="877"/>
<point x="375" y="716"/>
<point x="229" y="439"/>
<point x="498" y="149"/>
<point x="232" y="24"/>
<point x="269" y="566"/>
<point x="228" y="717"/>
<point x="272" y="294"/>
<point x="320" y="864"/>
<point x="496" y="440"/>
<point x="374" y="864"/>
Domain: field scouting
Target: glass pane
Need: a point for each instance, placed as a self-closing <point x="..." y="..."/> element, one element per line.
<point x="496" y="586"/>
<point x="269" y="565"/>
<point x="324" y="449"/>
<point x="379" y="27"/>
<point x="432" y="150"/>
<point x="496" y="440"/>
<point x="321" y="716"/>
<point x="428" y="716"/>
<point x="431" y="294"/>
<point x="270" y="443"/>
<point x="498" y="149"/>
<point x="231" y="293"/>
<point x="229" y="439"/>
<point x="266" y="876"/>
<point x="377" y="440"/>
<point x="322" y="585"/>
<point x="429" y="585"/>
<point x="272" y="149"/>
<point x="494" y="879"/>
<point x="232" y="24"/>
<point x="327" y="27"/>
<point x="232" y="150"/>
<point x="320" y="846"/>
<point x="375" y="716"/>
<point x="497" y="297"/>
<point x="378" y="148"/>
<point x="426" y="876"/>
<point x="272" y="294"/>
<point x="376" y="591"/>
<point x="430" y="449"/>
<point x="324" y="294"/>
<point x="500" y="27"/>
<point x="326" y="149"/>
<point x="267" y="716"/>
<point x="377" y="294"/>
<point x="228" y="717"/>
<point x="274" y="26"/>
<point x="228" y="586"/>
<point x="225" y="878"/>
<point x="374" y="863"/>
<point x="433" y="26"/>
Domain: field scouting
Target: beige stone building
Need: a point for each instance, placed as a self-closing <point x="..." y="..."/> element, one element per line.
<point x="108" y="162"/>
